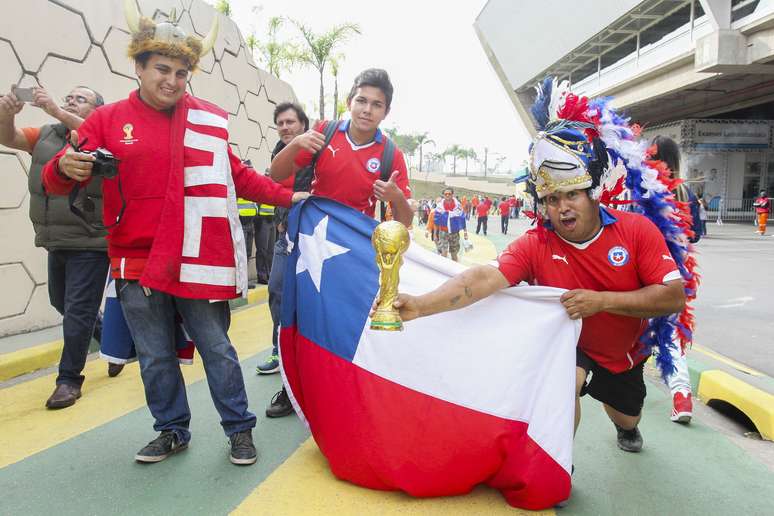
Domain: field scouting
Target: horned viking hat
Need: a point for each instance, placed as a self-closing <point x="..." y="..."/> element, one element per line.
<point x="166" y="38"/>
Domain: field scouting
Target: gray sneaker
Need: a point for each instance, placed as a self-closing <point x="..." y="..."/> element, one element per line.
<point x="629" y="440"/>
<point x="166" y="444"/>
<point x="242" y="448"/>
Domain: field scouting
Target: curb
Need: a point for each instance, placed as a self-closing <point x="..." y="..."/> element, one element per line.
<point x="755" y="403"/>
<point x="31" y="359"/>
<point x="709" y="383"/>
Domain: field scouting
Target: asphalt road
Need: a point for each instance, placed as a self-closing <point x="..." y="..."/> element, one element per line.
<point x="735" y="307"/>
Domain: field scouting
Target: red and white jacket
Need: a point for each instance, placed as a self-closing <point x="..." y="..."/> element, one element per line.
<point x="180" y="181"/>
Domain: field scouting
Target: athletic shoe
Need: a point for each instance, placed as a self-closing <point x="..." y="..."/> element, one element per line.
<point x="271" y="366"/>
<point x="166" y="444"/>
<point x="629" y="440"/>
<point x="242" y="448"/>
<point x="682" y="408"/>
<point x="280" y="405"/>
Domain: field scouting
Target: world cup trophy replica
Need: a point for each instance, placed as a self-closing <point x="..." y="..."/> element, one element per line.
<point x="390" y="240"/>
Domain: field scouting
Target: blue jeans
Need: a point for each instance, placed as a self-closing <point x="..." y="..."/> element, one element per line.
<point x="276" y="284"/>
<point x="76" y="281"/>
<point x="151" y="320"/>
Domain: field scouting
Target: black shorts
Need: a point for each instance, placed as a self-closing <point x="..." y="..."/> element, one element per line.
<point x="625" y="391"/>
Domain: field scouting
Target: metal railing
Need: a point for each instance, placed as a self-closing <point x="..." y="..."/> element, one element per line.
<point x="731" y="210"/>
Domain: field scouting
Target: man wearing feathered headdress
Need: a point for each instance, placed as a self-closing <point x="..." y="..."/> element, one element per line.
<point x="174" y="238"/>
<point x="617" y="267"/>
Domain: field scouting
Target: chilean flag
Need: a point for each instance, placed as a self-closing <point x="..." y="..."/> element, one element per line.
<point x="479" y="395"/>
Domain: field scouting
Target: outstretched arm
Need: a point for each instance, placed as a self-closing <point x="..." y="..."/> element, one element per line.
<point x="474" y="284"/>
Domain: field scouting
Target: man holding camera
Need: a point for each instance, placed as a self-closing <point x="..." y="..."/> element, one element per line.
<point x="175" y="241"/>
<point x="77" y="258"/>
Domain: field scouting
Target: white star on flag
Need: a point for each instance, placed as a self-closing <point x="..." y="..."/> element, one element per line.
<point x="314" y="250"/>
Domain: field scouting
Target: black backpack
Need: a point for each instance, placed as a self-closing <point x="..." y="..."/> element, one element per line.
<point x="303" y="182"/>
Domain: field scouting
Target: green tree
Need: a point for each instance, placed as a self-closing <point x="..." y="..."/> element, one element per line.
<point x="422" y="140"/>
<point x="276" y="55"/>
<point x="223" y="7"/>
<point x="455" y="151"/>
<point x="468" y="154"/>
<point x="319" y="49"/>
<point x="335" y="67"/>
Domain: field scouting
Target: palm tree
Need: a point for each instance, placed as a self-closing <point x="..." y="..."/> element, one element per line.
<point x="421" y="140"/>
<point x="468" y="153"/>
<point x="276" y="55"/>
<point x="319" y="49"/>
<point x="335" y="67"/>
<point x="223" y="7"/>
<point x="455" y="151"/>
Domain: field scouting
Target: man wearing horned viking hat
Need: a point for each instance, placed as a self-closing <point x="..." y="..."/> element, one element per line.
<point x="174" y="238"/>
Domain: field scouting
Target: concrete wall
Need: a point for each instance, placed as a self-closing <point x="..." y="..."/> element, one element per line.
<point x="66" y="43"/>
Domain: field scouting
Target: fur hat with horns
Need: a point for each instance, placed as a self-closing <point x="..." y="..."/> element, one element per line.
<point x="166" y="38"/>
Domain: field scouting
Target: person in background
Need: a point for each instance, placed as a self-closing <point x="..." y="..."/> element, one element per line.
<point x="505" y="214"/>
<point x="77" y="253"/>
<point x="762" y="205"/>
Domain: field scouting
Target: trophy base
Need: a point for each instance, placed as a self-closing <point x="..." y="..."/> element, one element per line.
<point x="391" y="322"/>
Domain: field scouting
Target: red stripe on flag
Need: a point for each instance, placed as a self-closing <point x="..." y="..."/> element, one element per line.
<point x="381" y="435"/>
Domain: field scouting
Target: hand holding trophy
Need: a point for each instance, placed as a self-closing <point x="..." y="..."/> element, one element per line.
<point x="390" y="240"/>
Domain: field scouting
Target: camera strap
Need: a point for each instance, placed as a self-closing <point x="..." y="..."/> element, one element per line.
<point x="74" y="202"/>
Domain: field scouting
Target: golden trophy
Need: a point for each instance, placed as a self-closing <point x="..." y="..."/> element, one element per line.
<point x="390" y="240"/>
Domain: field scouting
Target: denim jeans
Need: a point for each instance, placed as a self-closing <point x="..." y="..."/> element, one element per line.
<point x="76" y="281"/>
<point x="151" y="321"/>
<point x="276" y="284"/>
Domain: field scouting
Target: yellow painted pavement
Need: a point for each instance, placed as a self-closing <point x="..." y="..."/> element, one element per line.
<point x="305" y="485"/>
<point x="27" y="427"/>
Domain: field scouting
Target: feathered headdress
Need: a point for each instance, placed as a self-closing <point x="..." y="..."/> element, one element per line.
<point x="616" y="158"/>
<point x="165" y="38"/>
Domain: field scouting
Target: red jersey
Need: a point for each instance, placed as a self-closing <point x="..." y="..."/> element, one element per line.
<point x="629" y="253"/>
<point x="346" y="172"/>
<point x="505" y="208"/>
<point x="482" y="210"/>
<point x="762" y="205"/>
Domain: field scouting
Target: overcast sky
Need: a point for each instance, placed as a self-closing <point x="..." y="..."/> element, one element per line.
<point x="443" y="81"/>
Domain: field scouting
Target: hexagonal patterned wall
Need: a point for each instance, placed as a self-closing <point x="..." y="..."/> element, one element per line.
<point x="84" y="42"/>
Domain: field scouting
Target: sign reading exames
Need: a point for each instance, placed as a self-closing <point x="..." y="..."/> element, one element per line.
<point x="729" y="135"/>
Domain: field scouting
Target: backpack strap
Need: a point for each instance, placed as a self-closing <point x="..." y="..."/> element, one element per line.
<point x="385" y="168"/>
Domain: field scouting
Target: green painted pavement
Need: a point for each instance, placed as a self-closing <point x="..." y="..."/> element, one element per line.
<point x="682" y="469"/>
<point x="95" y="473"/>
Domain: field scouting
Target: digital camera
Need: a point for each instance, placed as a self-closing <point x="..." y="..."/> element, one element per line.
<point x="104" y="164"/>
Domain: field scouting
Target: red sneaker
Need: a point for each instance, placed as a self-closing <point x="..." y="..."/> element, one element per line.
<point x="682" y="408"/>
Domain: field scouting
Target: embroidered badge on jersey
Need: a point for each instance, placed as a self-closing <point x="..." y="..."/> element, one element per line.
<point x="373" y="165"/>
<point x="618" y="256"/>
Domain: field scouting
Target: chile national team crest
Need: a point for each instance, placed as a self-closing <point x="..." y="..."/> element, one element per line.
<point x="373" y="165"/>
<point x="618" y="256"/>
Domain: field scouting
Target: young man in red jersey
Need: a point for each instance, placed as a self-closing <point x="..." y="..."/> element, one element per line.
<point x="347" y="170"/>
<point x="615" y="266"/>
